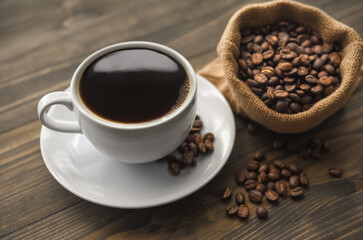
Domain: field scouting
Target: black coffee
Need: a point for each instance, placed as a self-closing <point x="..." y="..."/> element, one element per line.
<point x="134" y="85"/>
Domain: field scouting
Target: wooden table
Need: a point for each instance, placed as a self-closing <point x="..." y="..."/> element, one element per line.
<point x="41" y="44"/>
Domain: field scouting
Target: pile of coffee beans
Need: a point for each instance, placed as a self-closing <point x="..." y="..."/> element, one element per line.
<point x="194" y="145"/>
<point x="262" y="180"/>
<point x="288" y="66"/>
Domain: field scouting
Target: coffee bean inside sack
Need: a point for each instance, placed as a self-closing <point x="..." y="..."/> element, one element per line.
<point x="288" y="66"/>
<point x="194" y="145"/>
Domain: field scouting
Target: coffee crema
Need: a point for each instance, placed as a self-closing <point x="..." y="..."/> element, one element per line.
<point x="134" y="85"/>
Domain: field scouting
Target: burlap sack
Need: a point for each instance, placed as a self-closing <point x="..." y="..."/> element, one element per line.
<point x="223" y="71"/>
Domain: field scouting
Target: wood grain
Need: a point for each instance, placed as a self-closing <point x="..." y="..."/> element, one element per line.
<point x="41" y="44"/>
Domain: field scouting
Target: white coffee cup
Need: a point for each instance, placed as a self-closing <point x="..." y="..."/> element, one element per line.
<point x="128" y="143"/>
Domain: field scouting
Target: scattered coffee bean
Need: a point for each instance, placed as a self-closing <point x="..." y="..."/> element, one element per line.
<point x="250" y="184"/>
<point x="288" y="66"/>
<point x="231" y="210"/>
<point x="259" y="156"/>
<point x="240" y="198"/>
<point x="270" y="186"/>
<point x="250" y="175"/>
<point x="262" y="178"/>
<point x="174" y="168"/>
<point x="297" y="192"/>
<point x="209" y="145"/>
<point x="243" y="211"/>
<point x="303" y="180"/>
<point x="253" y="165"/>
<point x="255" y="196"/>
<point x="240" y="177"/>
<point x="281" y="188"/>
<point x="294" y="181"/>
<point x="285" y="173"/>
<point x="261" y="212"/>
<point x="271" y="195"/>
<point x="279" y="164"/>
<point x="261" y="188"/>
<point x="273" y="176"/>
<point x="263" y="168"/>
<point x="208" y="136"/>
<point x="335" y="172"/>
<point x="227" y="192"/>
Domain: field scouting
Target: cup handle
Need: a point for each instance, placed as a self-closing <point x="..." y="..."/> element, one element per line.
<point x="53" y="98"/>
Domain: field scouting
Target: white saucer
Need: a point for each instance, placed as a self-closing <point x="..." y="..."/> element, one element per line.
<point x="91" y="175"/>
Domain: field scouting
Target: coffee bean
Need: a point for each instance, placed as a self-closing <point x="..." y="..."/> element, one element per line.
<point x="279" y="164"/>
<point x="273" y="176"/>
<point x="262" y="178"/>
<point x="227" y="192"/>
<point x="268" y="54"/>
<point x="243" y="211"/>
<point x="294" y="168"/>
<point x="318" y="63"/>
<point x="188" y="158"/>
<point x="316" y="153"/>
<point x="303" y="180"/>
<point x="271" y="195"/>
<point x="324" y="81"/>
<point x="259" y="156"/>
<point x="240" y="198"/>
<point x="174" y="168"/>
<point x="240" y="177"/>
<point x="257" y="58"/>
<point x="198" y="139"/>
<point x="285" y="66"/>
<point x="194" y="148"/>
<point x="202" y="148"/>
<point x="281" y="188"/>
<point x="250" y="175"/>
<point x="297" y="192"/>
<point x="208" y="136"/>
<point x="285" y="173"/>
<point x="261" y="212"/>
<point x="252" y="165"/>
<point x="252" y="128"/>
<point x="282" y="106"/>
<point x="209" y="145"/>
<point x="318" y="89"/>
<point x="264" y="167"/>
<point x="250" y="184"/>
<point x="294" y="181"/>
<point x="255" y="196"/>
<point x="270" y="186"/>
<point x="231" y="209"/>
<point x="281" y="94"/>
<point x="274" y="170"/>
<point x="260" y="78"/>
<point x="335" y="59"/>
<point x="261" y="188"/>
<point x="335" y="172"/>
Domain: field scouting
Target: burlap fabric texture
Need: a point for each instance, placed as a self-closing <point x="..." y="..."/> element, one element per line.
<point x="222" y="72"/>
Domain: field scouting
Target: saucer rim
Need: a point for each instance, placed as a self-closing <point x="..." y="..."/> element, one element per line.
<point x="181" y="195"/>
